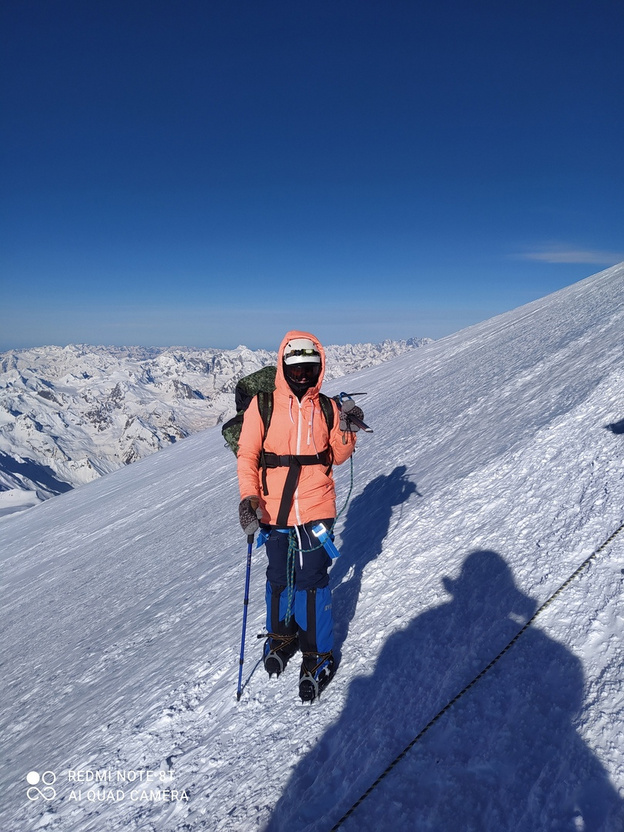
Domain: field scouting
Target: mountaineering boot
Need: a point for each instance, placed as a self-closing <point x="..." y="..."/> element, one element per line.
<point x="317" y="671"/>
<point x="283" y="639"/>
<point x="277" y="650"/>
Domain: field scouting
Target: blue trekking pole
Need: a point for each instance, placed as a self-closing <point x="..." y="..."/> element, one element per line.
<point x="250" y="540"/>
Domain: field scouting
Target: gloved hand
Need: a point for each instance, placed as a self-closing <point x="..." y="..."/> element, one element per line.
<point x="349" y="408"/>
<point x="249" y="513"/>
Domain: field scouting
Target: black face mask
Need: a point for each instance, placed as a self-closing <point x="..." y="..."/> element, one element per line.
<point x="300" y="377"/>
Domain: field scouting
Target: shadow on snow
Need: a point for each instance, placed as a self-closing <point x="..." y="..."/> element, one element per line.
<point x="506" y="756"/>
<point x="41" y="475"/>
<point x="366" y="526"/>
<point x="616" y="427"/>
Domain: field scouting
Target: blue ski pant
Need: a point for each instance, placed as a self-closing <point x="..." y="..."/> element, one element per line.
<point x="311" y="601"/>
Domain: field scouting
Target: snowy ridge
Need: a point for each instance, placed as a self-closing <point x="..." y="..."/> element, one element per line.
<point x="489" y="479"/>
<point x="69" y="415"/>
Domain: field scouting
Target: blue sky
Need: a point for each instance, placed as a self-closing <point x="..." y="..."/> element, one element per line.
<point x="209" y="173"/>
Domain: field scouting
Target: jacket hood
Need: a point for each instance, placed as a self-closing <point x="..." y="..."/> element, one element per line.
<point x="280" y="382"/>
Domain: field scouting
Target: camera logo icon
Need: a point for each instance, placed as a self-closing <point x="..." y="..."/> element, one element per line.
<point x="40" y="785"/>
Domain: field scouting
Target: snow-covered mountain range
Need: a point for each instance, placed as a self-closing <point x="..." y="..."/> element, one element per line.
<point x="70" y="414"/>
<point x="474" y="502"/>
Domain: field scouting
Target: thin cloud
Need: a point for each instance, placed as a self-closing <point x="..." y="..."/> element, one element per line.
<point x="573" y="255"/>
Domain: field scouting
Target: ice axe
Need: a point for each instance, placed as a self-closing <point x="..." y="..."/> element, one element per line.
<point x="342" y="397"/>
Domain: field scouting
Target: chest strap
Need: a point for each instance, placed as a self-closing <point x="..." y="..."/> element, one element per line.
<point x="293" y="462"/>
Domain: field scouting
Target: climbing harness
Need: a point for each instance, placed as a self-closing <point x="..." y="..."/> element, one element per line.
<point x="471" y="684"/>
<point x="295" y="548"/>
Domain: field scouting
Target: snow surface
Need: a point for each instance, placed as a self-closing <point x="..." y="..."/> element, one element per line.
<point x="489" y="479"/>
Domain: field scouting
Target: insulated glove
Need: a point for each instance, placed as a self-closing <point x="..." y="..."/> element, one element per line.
<point x="249" y="513"/>
<point x="349" y="408"/>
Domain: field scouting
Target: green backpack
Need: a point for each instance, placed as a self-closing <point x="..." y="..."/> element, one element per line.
<point x="261" y="384"/>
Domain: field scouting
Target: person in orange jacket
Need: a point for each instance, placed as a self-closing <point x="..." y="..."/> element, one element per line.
<point x="287" y="488"/>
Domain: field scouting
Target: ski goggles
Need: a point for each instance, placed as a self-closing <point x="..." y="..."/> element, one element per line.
<point x="302" y="373"/>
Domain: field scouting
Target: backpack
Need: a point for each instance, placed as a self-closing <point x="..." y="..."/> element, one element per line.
<point x="261" y="384"/>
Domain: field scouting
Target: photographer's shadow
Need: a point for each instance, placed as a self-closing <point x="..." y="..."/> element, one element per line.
<point x="366" y="526"/>
<point x="506" y="755"/>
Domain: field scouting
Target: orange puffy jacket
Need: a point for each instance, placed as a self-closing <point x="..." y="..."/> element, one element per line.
<point x="298" y="428"/>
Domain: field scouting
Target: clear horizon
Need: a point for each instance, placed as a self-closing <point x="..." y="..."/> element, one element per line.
<point x="214" y="175"/>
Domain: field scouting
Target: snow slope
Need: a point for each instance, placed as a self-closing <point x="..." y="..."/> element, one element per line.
<point x="489" y="479"/>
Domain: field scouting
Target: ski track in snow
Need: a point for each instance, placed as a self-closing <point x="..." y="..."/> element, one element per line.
<point x="490" y="478"/>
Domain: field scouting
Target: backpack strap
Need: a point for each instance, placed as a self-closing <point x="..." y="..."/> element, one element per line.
<point x="328" y="410"/>
<point x="291" y="461"/>
<point x="265" y="406"/>
<point x="294" y="463"/>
